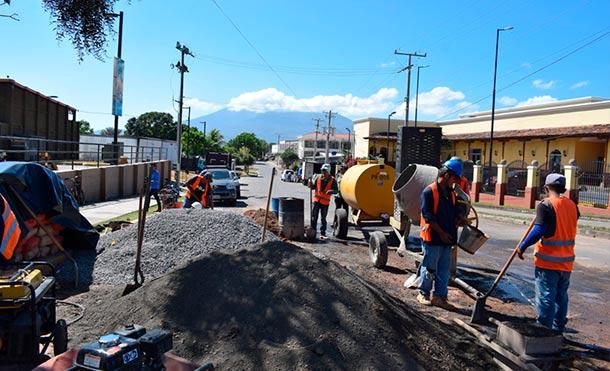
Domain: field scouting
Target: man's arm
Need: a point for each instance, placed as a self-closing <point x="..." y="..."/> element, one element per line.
<point x="539" y="229"/>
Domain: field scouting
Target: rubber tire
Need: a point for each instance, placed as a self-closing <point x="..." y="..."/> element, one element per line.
<point x="378" y="249"/>
<point x="233" y="202"/>
<point x="60" y="337"/>
<point x="340" y="230"/>
<point x="238" y="192"/>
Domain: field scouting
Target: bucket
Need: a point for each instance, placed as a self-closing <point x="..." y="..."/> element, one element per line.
<point x="471" y="239"/>
<point x="291" y="218"/>
<point x="275" y="206"/>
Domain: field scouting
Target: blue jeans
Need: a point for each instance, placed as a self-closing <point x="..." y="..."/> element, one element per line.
<point x="552" y="297"/>
<point x="435" y="268"/>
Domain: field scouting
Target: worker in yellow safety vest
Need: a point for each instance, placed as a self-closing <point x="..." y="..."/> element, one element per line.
<point x="554" y="233"/>
<point x="324" y="186"/>
<point x="9" y="229"/>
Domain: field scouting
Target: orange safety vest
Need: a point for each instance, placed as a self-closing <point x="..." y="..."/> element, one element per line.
<point x="322" y="196"/>
<point x="425" y="231"/>
<point x="465" y="184"/>
<point x="193" y="188"/>
<point x="557" y="252"/>
<point x="12" y="232"/>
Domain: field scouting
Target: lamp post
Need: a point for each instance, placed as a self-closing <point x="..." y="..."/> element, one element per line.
<point x="349" y="140"/>
<point x="205" y="123"/>
<point x="115" y="140"/>
<point x="388" y="137"/>
<point x="417" y="92"/>
<point x="493" y="100"/>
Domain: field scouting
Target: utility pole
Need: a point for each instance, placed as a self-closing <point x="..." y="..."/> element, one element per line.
<point x="328" y="130"/>
<point x="278" y="148"/>
<point x="408" y="69"/>
<point x="205" y="123"/>
<point x="182" y="68"/>
<point x="188" y="132"/>
<point x="115" y="140"/>
<point x="316" y="143"/>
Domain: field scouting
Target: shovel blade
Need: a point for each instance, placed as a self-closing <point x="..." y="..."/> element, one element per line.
<point x="479" y="311"/>
<point x="130" y="288"/>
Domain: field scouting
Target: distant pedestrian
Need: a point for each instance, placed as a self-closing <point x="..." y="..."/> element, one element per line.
<point x="554" y="233"/>
<point x="155" y="185"/>
<point x="324" y="186"/>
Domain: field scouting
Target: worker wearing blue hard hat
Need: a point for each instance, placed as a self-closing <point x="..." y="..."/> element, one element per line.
<point x="439" y="222"/>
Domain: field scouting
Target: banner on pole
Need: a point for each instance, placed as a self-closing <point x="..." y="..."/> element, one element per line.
<point x="117" y="87"/>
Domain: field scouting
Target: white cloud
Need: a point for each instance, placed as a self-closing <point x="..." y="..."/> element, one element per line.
<point x="580" y="84"/>
<point x="544" y="85"/>
<point x="508" y="101"/>
<point x="388" y="64"/>
<point x="200" y="107"/>
<point x="526" y="65"/>
<point x="271" y="99"/>
<point x="541" y="99"/>
<point x="438" y="102"/>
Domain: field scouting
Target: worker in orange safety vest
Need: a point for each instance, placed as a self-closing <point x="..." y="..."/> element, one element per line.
<point x="9" y="229"/>
<point x="554" y="233"/>
<point x="199" y="189"/>
<point x="324" y="186"/>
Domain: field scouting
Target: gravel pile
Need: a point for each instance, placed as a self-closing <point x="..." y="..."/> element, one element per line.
<point x="171" y="238"/>
<point x="278" y="307"/>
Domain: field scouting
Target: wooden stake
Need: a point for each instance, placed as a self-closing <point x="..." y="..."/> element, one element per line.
<point x="268" y="201"/>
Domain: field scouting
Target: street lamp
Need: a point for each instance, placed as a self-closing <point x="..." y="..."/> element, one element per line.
<point x="119" y="50"/>
<point x="493" y="100"/>
<point x="349" y="140"/>
<point x="417" y="92"/>
<point x="205" y="123"/>
<point x="388" y="137"/>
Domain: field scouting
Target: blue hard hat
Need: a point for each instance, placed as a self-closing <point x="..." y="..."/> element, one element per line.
<point x="455" y="165"/>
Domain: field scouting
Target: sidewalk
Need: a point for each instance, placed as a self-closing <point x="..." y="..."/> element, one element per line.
<point x="102" y="211"/>
<point x="527" y="215"/>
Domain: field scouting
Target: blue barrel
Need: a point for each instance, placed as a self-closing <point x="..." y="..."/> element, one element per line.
<point x="291" y="218"/>
<point x="275" y="206"/>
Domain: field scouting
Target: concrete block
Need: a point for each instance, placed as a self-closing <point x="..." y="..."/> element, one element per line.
<point x="529" y="338"/>
<point x="111" y="182"/>
<point x="91" y="184"/>
<point x="127" y="180"/>
<point x="139" y="175"/>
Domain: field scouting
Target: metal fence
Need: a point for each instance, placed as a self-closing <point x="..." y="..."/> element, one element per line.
<point x="60" y="152"/>
<point x="593" y="183"/>
<point x="489" y="178"/>
<point x="516" y="178"/>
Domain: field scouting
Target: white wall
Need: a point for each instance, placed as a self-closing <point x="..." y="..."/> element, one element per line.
<point x="150" y="148"/>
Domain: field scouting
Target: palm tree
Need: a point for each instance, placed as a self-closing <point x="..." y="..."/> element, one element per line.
<point x="214" y="141"/>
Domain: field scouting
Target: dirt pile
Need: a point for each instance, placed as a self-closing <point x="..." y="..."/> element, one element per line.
<point x="276" y="306"/>
<point x="171" y="238"/>
<point x="259" y="218"/>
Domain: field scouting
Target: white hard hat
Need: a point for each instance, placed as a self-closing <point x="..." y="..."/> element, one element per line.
<point x="326" y="167"/>
<point x="197" y="205"/>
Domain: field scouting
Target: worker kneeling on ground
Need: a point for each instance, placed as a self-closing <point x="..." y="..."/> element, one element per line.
<point x="324" y="186"/>
<point x="439" y="220"/>
<point x="199" y="189"/>
<point x="554" y="233"/>
<point x="9" y="230"/>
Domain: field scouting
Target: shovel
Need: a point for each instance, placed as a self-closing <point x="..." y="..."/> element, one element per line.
<point x="138" y="276"/>
<point x="478" y="313"/>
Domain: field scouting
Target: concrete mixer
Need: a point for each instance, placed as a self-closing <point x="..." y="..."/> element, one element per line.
<point x="367" y="189"/>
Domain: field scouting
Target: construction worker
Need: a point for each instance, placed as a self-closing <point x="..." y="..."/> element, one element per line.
<point x="9" y="230"/>
<point x="554" y="233"/>
<point x="155" y="185"/>
<point x="199" y="189"/>
<point x="324" y="185"/>
<point x="439" y="221"/>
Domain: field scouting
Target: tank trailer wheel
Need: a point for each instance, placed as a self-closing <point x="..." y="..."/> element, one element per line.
<point x="378" y="249"/>
<point x="340" y="230"/>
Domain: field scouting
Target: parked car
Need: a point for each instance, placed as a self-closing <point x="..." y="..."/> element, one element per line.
<point x="236" y="179"/>
<point x="287" y="176"/>
<point x="223" y="186"/>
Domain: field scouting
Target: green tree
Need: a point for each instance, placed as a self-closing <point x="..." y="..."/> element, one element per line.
<point x="244" y="157"/>
<point x="289" y="156"/>
<point x="214" y="141"/>
<point x="152" y="124"/>
<point x="109" y="131"/>
<point x="84" y="127"/>
<point x="193" y="142"/>
<point x="255" y="145"/>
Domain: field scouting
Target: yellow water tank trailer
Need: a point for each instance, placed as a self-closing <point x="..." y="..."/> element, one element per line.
<point x="369" y="188"/>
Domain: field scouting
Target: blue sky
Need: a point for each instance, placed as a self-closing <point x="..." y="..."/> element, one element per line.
<point x="330" y="54"/>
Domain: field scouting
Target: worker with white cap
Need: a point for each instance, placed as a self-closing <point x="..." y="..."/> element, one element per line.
<point x="324" y="186"/>
<point x="554" y="233"/>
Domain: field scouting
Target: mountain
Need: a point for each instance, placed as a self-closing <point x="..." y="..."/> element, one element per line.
<point x="267" y="125"/>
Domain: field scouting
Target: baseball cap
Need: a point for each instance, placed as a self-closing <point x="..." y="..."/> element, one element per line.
<point x="554" y="179"/>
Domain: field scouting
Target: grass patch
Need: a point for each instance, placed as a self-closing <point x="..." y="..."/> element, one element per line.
<point x="129" y="217"/>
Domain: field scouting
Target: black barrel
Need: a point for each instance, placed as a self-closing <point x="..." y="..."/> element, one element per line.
<point x="291" y="218"/>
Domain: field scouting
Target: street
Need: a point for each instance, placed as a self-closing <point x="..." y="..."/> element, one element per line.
<point x="589" y="282"/>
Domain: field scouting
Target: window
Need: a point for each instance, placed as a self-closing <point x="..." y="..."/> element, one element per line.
<point x="333" y="144"/>
<point x="555" y="161"/>
<point x="347" y="145"/>
<point x="309" y="143"/>
<point x="475" y="155"/>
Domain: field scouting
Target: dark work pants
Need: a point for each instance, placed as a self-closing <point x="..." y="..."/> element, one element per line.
<point x="155" y="194"/>
<point x="318" y="208"/>
<point x="339" y="204"/>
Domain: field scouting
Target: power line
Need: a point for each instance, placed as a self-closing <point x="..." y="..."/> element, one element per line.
<point x="529" y="74"/>
<point x="260" y="55"/>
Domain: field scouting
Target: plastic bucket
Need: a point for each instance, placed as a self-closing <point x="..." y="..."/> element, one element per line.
<point x="275" y="206"/>
<point x="471" y="239"/>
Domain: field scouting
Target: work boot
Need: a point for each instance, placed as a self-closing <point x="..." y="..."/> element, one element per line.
<point x="424" y="299"/>
<point x="442" y="303"/>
